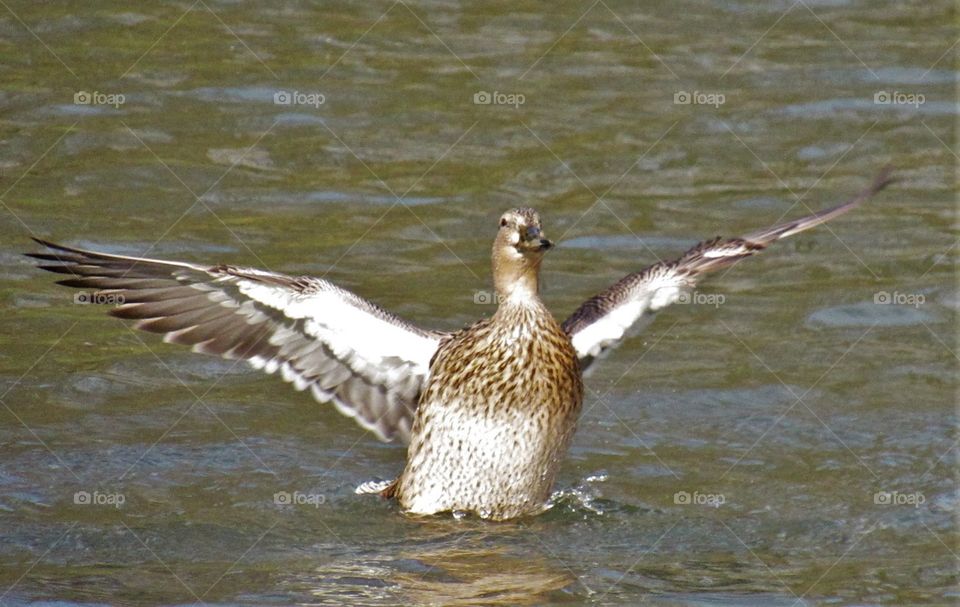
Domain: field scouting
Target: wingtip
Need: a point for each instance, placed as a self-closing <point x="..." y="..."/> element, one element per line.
<point x="49" y="245"/>
<point x="43" y="242"/>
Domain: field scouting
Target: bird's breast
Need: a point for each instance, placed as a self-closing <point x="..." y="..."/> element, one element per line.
<point x="494" y="420"/>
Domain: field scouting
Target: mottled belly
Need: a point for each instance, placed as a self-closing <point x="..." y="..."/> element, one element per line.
<point x="499" y="462"/>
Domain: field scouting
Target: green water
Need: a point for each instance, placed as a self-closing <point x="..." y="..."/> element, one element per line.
<point x="793" y="402"/>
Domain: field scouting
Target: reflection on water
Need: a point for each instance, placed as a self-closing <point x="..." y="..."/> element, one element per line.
<point x="465" y="569"/>
<point x="790" y="442"/>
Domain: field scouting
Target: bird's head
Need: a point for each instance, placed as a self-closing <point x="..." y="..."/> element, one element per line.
<point x="520" y="235"/>
<point x="517" y="252"/>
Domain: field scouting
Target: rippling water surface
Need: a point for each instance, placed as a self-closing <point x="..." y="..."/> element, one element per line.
<point x="787" y="439"/>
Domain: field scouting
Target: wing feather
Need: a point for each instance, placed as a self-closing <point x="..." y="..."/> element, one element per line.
<point x="604" y="320"/>
<point x="368" y="362"/>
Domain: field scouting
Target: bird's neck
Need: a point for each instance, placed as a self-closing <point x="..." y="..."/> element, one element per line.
<point x="517" y="284"/>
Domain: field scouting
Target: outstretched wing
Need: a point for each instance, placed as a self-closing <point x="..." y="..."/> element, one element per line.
<point x="603" y="320"/>
<point x="370" y="363"/>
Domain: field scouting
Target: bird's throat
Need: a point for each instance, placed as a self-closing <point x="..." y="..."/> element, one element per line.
<point x="518" y="284"/>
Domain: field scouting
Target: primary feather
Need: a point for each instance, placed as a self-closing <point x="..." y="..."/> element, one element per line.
<point x="368" y="362"/>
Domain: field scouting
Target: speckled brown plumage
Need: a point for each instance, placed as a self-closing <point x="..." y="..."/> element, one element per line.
<point x="495" y="418"/>
<point x="501" y="404"/>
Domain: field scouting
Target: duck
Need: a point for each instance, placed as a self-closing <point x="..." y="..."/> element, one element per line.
<point x="487" y="412"/>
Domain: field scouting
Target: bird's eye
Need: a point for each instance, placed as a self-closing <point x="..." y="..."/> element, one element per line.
<point x="503" y="222"/>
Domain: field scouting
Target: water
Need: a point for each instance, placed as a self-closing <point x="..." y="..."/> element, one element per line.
<point x="792" y="444"/>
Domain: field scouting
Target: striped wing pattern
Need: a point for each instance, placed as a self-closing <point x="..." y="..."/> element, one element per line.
<point x="604" y="320"/>
<point x="343" y="348"/>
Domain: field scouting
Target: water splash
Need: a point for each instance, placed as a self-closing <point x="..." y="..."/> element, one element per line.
<point x="584" y="496"/>
<point x="374" y="486"/>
